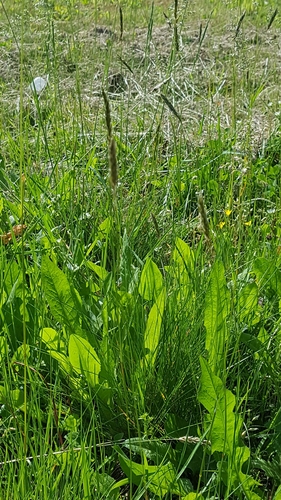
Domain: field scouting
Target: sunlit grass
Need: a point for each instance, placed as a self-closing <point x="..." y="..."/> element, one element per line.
<point x="149" y="265"/>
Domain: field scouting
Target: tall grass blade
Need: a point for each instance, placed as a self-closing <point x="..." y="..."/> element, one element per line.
<point x="171" y="107"/>
<point x="121" y="23"/>
<point x="239" y="24"/>
<point x="272" y="19"/>
<point x="176" y="35"/>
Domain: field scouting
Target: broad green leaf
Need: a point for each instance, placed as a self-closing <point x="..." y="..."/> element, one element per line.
<point x="151" y="281"/>
<point x="182" y="269"/>
<point x="63" y="361"/>
<point x="248" y="300"/>
<point x="21" y="354"/>
<point x="104" y="486"/>
<point x="99" y="270"/>
<point x="14" y="399"/>
<point x="192" y="496"/>
<point x="267" y="274"/>
<point x="216" y="311"/>
<point x="159" y="479"/>
<point x="64" y="300"/>
<point x="84" y="359"/>
<point x="153" y="326"/>
<point x="225" y="426"/>
<point x="220" y="403"/>
<point x="183" y="256"/>
<point x="52" y="339"/>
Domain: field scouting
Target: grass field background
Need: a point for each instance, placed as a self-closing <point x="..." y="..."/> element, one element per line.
<point x="140" y="250"/>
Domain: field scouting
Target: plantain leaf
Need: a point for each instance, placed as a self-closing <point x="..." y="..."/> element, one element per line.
<point x="151" y="281"/>
<point x="216" y="311"/>
<point x="84" y="359"/>
<point x="63" y="299"/>
<point x="225" y="426"/>
<point x="220" y="403"/>
<point x="159" y="479"/>
<point x="153" y="326"/>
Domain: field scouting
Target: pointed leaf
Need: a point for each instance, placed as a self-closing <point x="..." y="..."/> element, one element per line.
<point x="64" y="300"/>
<point x="216" y="311"/>
<point x="220" y="403"/>
<point x="84" y="359"/>
<point x="151" y="281"/>
<point x="153" y="326"/>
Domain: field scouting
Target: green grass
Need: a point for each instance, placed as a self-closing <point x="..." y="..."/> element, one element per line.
<point x="140" y="321"/>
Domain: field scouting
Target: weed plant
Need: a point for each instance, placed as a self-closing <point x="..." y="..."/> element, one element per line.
<point x="140" y="251"/>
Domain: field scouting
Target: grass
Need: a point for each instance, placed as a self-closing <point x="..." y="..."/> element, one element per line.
<point x="140" y="306"/>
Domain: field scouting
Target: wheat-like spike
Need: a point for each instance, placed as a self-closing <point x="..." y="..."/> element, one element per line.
<point x="203" y="215"/>
<point x="113" y="168"/>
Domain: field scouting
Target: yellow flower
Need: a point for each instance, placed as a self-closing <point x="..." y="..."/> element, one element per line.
<point x="249" y="223"/>
<point x="227" y="212"/>
<point x="221" y="224"/>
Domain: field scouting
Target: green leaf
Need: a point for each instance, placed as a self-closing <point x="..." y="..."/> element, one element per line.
<point x="99" y="270"/>
<point x="14" y="399"/>
<point x="225" y="426"/>
<point x="183" y="257"/>
<point x="63" y="361"/>
<point x="216" y="311"/>
<point x="153" y="326"/>
<point x="267" y="274"/>
<point x="21" y="354"/>
<point x="193" y="496"/>
<point x="277" y="495"/>
<point x="151" y="281"/>
<point x="182" y="269"/>
<point x="248" y="300"/>
<point x="84" y="359"/>
<point x="3" y="349"/>
<point x="220" y="403"/>
<point x="12" y="279"/>
<point x="52" y="339"/>
<point x="105" y="486"/>
<point x="64" y="300"/>
<point x="154" y="450"/>
<point x="159" y="479"/>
